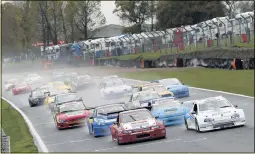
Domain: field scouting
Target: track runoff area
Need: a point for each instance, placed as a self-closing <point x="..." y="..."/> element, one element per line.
<point x="49" y="139"/>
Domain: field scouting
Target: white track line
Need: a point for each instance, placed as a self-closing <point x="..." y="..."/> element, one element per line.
<point x="30" y="125"/>
<point x="223" y="92"/>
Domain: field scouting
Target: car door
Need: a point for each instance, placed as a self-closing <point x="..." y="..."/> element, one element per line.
<point x="192" y="116"/>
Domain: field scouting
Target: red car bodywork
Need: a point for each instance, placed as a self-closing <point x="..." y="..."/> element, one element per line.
<point x="121" y="136"/>
<point x="72" y="120"/>
<point x="21" y="89"/>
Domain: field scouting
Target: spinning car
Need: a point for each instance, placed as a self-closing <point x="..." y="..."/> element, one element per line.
<point x="36" y="97"/>
<point x="21" y="88"/>
<point x="160" y="89"/>
<point x="32" y="78"/>
<point x="115" y="89"/>
<point x="70" y="114"/>
<point x="174" y="86"/>
<point x="141" y="99"/>
<point x="102" y="118"/>
<point x="80" y="82"/>
<point x="9" y="84"/>
<point x="169" y="110"/>
<point x="60" y="85"/>
<point x="135" y="125"/>
<point x="214" y="113"/>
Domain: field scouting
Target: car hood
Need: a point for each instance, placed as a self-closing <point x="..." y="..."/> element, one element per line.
<point x="117" y="88"/>
<point x="173" y="87"/>
<point x="74" y="114"/>
<point x="219" y="112"/>
<point x="139" y="124"/>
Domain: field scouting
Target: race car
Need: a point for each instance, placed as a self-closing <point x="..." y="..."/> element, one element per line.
<point x="111" y="77"/>
<point x="80" y="82"/>
<point x="64" y="97"/>
<point x="58" y="76"/>
<point x="141" y="99"/>
<point x="71" y="75"/>
<point x="174" y="86"/>
<point x="21" y="88"/>
<point x="32" y="78"/>
<point x="59" y="85"/>
<point x="214" y="113"/>
<point x="115" y="89"/>
<point x="102" y="118"/>
<point x="36" y="97"/>
<point x="46" y="88"/>
<point x="9" y="84"/>
<point x="136" y="125"/>
<point x="70" y="114"/>
<point x="160" y="89"/>
<point x="50" y="96"/>
<point x="169" y="110"/>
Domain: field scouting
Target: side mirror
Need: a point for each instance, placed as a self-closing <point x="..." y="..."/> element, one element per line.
<point x="235" y="105"/>
<point x="91" y="118"/>
<point x="80" y="99"/>
<point x="115" y="123"/>
<point x="157" y="117"/>
<point x="193" y="112"/>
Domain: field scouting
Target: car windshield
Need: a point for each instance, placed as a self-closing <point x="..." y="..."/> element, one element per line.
<point x="114" y="83"/>
<point x="109" y="109"/>
<point x="12" y="81"/>
<point x="72" y="106"/>
<point x="167" y="82"/>
<point x="66" y="98"/>
<point x="213" y="104"/>
<point x="188" y="104"/>
<point x="135" y="116"/>
<point x="146" y="96"/>
<point x="37" y="93"/>
<point x="166" y="104"/>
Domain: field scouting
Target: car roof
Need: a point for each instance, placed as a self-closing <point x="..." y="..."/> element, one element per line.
<point x="66" y="94"/>
<point x="109" y="105"/>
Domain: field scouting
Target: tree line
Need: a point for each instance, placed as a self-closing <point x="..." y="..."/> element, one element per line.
<point x="25" y="22"/>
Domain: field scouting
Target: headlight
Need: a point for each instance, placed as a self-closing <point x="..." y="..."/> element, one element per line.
<point x="62" y="121"/>
<point x="208" y="120"/>
<point x="235" y="115"/>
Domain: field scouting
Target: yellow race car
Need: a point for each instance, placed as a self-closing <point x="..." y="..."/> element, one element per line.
<point x="60" y="85"/>
<point x="160" y="89"/>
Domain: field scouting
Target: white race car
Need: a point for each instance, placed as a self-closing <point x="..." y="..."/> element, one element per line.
<point x="9" y="84"/>
<point x="32" y="78"/>
<point x="214" y="113"/>
<point x="110" y="77"/>
<point x="113" y="89"/>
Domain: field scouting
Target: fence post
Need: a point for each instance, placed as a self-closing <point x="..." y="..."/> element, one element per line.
<point x="225" y="31"/>
<point x="218" y="31"/>
<point x="248" y="29"/>
<point x="166" y="32"/>
<point x="187" y="32"/>
<point x="232" y="31"/>
<point x="195" y="35"/>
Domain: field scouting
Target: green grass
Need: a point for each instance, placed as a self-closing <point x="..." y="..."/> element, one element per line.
<point x="235" y="81"/>
<point x="14" y="126"/>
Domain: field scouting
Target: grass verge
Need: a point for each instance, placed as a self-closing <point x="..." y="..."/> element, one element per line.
<point x="14" y="126"/>
<point x="234" y="81"/>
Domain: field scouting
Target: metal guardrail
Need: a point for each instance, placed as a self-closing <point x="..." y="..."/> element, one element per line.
<point x="6" y="144"/>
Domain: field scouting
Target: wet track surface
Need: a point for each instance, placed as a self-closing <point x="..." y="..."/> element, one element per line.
<point x="178" y="138"/>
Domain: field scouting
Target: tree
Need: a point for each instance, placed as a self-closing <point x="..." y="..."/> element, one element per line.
<point x="172" y="14"/>
<point x="231" y="8"/>
<point x="134" y="12"/>
<point x="246" y="6"/>
<point x="88" y="17"/>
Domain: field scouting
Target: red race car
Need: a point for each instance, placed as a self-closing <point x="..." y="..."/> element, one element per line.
<point x="136" y="125"/>
<point x="21" y="88"/>
<point x="70" y="114"/>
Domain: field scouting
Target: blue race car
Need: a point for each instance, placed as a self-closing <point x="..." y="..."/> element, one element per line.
<point x="175" y="86"/>
<point x="169" y="110"/>
<point x="102" y="118"/>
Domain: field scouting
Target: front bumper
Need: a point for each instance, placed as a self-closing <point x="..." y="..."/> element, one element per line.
<point x="70" y="125"/>
<point x="145" y="135"/>
<point x="102" y="130"/>
<point x="222" y="125"/>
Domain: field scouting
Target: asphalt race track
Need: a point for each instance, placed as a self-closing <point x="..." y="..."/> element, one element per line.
<point x="178" y="138"/>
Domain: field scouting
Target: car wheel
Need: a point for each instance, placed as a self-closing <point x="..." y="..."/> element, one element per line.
<point x="118" y="142"/>
<point x="31" y="104"/>
<point x="186" y="124"/>
<point x="197" y="127"/>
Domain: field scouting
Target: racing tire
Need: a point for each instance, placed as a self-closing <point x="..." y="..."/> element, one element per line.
<point x="31" y="104"/>
<point x="197" y="126"/>
<point x="118" y="142"/>
<point x="186" y="124"/>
